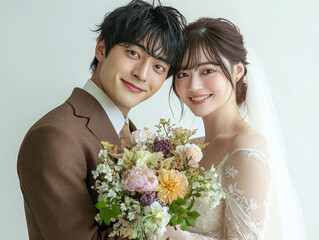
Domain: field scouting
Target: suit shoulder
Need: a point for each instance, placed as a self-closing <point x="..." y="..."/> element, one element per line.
<point x="56" y="125"/>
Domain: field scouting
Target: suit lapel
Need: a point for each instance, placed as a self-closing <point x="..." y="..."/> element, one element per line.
<point x="99" y="124"/>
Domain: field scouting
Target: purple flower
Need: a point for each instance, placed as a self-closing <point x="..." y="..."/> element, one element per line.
<point x="149" y="197"/>
<point x="163" y="145"/>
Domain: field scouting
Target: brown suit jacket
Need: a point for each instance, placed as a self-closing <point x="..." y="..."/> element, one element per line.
<point x="55" y="162"/>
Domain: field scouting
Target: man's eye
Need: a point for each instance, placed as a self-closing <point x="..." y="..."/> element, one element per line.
<point x="208" y="71"/>
<point x="133" y="53"/>
<point x="182" y="75"/>
<point x="160" y="68"/>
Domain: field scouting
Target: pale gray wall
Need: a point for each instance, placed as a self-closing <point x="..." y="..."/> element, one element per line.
<point x="46" y="48"/>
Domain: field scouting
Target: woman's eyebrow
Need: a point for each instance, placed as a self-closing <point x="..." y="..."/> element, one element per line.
<point x="206" y="63"/>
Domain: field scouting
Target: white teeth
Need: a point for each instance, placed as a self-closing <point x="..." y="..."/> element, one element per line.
<point x="200" y="98"/>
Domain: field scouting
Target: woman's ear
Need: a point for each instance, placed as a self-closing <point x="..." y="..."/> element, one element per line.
<point x="239" y="70"/>
<point x="100" y="50"/>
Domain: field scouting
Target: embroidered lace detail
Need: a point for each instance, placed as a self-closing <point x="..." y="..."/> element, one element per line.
<point x="255" y="155"/>
<point x="231" y="172"/>
<point x="246" y="204"/>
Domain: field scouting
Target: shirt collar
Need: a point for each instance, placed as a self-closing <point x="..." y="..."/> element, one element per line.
<point x="113" y="112"/>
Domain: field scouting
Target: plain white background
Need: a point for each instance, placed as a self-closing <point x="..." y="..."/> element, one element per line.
<point x="46" y="48"/>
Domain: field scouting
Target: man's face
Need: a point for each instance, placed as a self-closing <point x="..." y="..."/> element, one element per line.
<point x="129" y="75"/>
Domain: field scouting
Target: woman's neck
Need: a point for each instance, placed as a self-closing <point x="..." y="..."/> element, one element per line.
<point x="224" y="121"/>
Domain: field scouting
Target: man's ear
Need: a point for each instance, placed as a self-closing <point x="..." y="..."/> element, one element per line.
<point x="100" y="50"/>
<point x="239" y="70"/>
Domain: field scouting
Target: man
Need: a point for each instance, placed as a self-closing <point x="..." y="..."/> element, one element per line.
<point x="137" y="49"/>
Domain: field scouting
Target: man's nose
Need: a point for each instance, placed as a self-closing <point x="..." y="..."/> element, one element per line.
<point x="141" y="70"/>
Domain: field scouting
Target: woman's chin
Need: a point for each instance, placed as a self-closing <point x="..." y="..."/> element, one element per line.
<point x="199" y="113"/>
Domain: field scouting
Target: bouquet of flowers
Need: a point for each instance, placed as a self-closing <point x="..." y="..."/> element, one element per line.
<point x="153" y="184"/>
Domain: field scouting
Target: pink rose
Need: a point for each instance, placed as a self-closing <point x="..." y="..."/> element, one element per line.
<point x="138" y="179"/>
<point x="192" y="152"/>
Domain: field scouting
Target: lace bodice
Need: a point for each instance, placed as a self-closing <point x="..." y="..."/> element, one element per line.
<point x="246" y="181"/>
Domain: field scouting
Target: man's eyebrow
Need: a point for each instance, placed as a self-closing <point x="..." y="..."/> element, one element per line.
<point x="144" y="49"/>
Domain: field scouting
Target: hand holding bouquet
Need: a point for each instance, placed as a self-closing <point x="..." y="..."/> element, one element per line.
<point x="154" y="184"/>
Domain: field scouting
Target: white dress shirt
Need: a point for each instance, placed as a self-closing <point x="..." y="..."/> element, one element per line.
<point x="113" y="112"/>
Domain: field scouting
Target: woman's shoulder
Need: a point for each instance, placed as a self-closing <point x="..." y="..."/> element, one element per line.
<point x="249" y="139"/>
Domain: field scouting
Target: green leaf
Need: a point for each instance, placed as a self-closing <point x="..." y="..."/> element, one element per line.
<point x="184" y="225"/>
<point x="115" y="211"/>
<point x="104" y="214"/>
<point x="179" y="219"/>
<point x="191" y="204"/>
<point x="101" y="205"/>
<point x="201" y="171"/>
<point x="197" y="195"/>
<point x="180" y="201"/>
<point x="181" y="210"/>
<point x="191" y="221"/>
<point x="193" y="214"/>
<point x="108" y="213"/>
<point x="173" y="221"/>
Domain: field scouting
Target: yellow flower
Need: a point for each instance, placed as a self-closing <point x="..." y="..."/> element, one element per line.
<point x="172" y="184"/>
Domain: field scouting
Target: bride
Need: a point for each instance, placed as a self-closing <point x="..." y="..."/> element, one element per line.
<point x="244" y="143"/>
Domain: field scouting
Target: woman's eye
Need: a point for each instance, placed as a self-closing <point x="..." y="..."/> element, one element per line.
<point x="182" y="75"/>
<point x="160" y="68"/>
<point x="133" y="53"/>
<point x="208" y="71"/>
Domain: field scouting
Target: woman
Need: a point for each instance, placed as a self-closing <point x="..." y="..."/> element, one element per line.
<point x="211" y="82"/>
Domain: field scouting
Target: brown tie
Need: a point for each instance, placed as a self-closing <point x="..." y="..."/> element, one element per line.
<point x="125" y="136"/>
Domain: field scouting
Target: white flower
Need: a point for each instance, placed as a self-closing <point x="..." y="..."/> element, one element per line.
<point x="95" y="174"/>
<point x="141" y="135"/>
<point x="101" y="168"/>
<point x="160" y="215"/>
<point x="196" y="185"/>
<point x="104" y="187"/>
<point x="118" y="187"/>
<point x="211" y="199"/>
<point x="120" y="161"/>
<point x="123" y="207"/>
<point x="131" y="216"/>
<point x="103" y="153"/>
<point x="111" y="193"/>
<point x="97" y="217"/>
<point x="117" y="168"/>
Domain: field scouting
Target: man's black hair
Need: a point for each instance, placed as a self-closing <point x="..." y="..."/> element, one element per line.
<point x="160" y="29"/>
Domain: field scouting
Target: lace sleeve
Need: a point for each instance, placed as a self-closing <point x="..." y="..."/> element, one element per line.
<point x="184" y="235"/>
<point x="246" y="181"/>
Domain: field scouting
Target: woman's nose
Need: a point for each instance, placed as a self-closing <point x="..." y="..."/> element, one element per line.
<point x="195" y="84"/>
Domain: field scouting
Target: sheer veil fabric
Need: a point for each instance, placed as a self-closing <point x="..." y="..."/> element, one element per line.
<point x="285" y="220"/>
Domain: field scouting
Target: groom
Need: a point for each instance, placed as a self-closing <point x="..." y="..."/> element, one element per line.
<point x="137" y="49"/>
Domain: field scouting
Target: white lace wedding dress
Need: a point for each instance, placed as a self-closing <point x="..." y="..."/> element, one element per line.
<point x="246" y="179"/>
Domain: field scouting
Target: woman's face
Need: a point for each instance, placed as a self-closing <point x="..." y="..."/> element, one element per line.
<point x="204" y="89"/>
